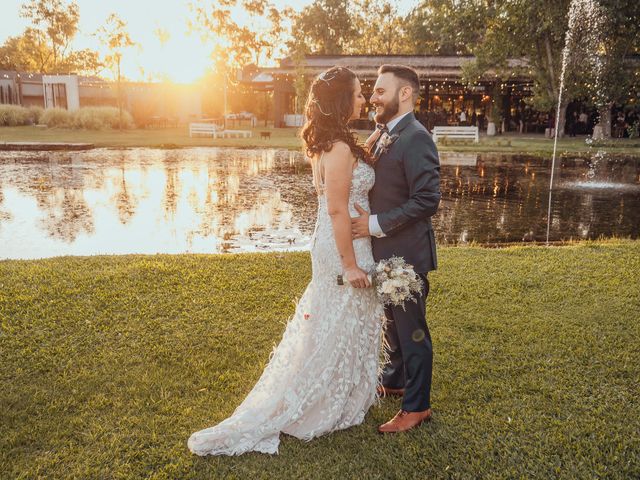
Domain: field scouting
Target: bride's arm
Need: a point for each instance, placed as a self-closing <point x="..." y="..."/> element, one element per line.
<point x="338" y="170"/>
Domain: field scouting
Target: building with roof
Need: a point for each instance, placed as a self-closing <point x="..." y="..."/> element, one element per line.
<point x="48" y="91"/>
<point x="149" y="103"/>
<point x="443" y="95"/>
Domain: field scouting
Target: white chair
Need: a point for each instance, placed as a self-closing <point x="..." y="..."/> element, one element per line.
<point x="208" y="129"/>
<point x="456" y="133"/>
<point x="233" y="133"/>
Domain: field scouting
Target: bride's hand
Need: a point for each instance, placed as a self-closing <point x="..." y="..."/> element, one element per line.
<point x="357" y="277"/>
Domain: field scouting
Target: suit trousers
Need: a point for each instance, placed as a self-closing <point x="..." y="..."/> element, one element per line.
<point x="410" y="351"/>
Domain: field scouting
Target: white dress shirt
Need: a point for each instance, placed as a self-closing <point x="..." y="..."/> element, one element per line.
<point x="374" y="226"/>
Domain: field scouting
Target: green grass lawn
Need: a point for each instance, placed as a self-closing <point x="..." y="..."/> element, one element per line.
<point x="287" y="138"/>
<point x="110" y="363"/>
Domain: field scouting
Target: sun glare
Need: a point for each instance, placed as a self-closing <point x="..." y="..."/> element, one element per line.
<point x="172" y="56"/>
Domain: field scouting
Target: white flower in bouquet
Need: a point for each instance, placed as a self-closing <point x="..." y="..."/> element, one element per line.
<point x="386" y="288"/>
<point x="395" y="281"/>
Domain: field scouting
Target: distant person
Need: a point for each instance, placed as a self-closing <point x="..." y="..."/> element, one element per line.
<point x="551" y="126"/>
<point x="572" y="123"/>
<point x="463" y="118"/>
<point x="620" y="125"/>
<point x="481" y="121"/>
<point x="583" y="119"/>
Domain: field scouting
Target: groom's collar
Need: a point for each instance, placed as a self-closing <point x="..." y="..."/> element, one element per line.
<point x="400" y="122"/>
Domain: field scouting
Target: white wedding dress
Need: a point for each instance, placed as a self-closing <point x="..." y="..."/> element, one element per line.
<point x="323" y="375"/>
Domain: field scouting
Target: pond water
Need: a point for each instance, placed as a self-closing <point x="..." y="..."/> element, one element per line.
<point x="211" y="200"/>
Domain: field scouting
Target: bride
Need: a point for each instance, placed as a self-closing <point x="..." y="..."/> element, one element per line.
<point x="323" y="375"/>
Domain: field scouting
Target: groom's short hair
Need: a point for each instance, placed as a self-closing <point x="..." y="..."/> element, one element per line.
<point x="407" y="75"/>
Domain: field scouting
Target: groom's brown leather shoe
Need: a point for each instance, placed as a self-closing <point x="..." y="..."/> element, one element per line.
<point x="393" y="392"/>
<point x="404" y="421"/>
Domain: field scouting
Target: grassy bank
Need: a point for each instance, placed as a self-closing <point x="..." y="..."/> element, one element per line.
<point x="109" y="363"/>
<point x="287" y="138"/>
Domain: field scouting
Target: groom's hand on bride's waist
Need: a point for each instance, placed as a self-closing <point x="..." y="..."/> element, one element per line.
<point x="360" y="224"/>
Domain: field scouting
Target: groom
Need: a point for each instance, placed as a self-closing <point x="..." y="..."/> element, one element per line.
<point x="405" y="196"/>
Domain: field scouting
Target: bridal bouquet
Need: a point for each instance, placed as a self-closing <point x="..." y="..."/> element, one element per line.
<point x="395" y="281"/>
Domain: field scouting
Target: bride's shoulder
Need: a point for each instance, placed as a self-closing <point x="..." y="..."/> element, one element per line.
<point x="339" y="148"/>
<point x="339" y="152"/>
<point x="339" y="157"/>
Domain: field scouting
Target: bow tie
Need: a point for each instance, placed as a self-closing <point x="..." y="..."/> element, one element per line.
<point x="383" y="128"/>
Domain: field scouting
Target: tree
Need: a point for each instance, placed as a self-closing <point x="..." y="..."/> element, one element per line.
<point x="236" y="45"/>
<point x="530" y="29"/>
<point x="85" y="61"/>
<point x="28" y="53"/>
<point x="45" y="46"/>
<point x="25" y="52"/>
<point x="447" y="27"/>
<point x="301" y="83"/>
<point x="57" y="24"/>
<point x="598" y="67"/>
<point x="615" y="77"/>
<point x="385" y="35"/>
<point x="334" y="27"/>
<point x="256" y="39"/>
<point x="326" y="27"/>
<point x="113" y="34"/>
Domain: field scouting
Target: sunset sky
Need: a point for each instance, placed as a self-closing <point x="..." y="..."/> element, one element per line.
<point x="182" y="58"/>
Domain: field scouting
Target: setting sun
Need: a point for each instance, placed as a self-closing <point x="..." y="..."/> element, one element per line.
<point x="165" y="48"/>
<point x="181" y="59"/>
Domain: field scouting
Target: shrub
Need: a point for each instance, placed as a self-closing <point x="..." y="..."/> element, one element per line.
<point x="35" y="114"/>
<point x="89" y="118"/>
<point x="14" y="115"/>
<point x="57" y="117"/>
<point x="98" y="118"/>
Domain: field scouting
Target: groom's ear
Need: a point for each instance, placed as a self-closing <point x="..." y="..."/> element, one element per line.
<point x="406" y="92"/>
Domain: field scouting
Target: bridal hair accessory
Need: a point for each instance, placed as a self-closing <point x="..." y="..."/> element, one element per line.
<point x="326" y="77"/>
<point x="395" y="281"/>
<point x="315" y="100"/>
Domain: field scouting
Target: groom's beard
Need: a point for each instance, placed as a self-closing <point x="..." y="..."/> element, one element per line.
<point x="389" y="110"/>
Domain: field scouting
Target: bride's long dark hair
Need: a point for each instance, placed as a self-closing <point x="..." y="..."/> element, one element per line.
<point x="329" y="107"/>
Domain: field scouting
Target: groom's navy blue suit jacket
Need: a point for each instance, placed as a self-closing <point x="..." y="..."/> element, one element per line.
<point x="406" y="195"/>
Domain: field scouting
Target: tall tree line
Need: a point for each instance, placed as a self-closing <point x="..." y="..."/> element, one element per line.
<point x="493" y="32"/>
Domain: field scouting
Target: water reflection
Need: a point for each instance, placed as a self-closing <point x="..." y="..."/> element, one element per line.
<point x="145" y="201"/>
<point x="224" y="200"/>
<point x="503" y="199"/>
